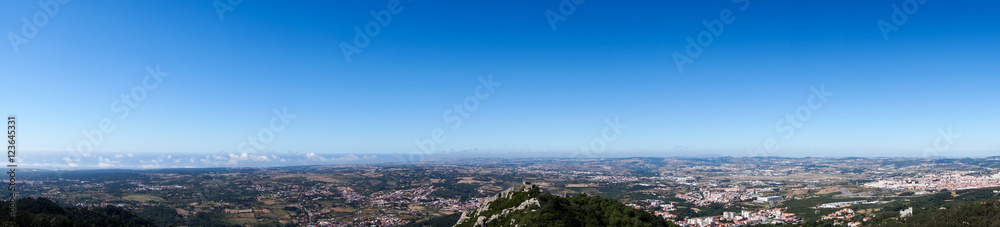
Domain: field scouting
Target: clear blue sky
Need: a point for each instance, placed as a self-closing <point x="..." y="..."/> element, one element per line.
<point x="607" y="59"/>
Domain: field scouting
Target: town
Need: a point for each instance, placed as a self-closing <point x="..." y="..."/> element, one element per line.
<point x="722" y="191"/>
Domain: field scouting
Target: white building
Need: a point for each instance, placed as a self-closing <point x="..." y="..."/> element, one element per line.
<point x="906" y="213"/>
<point x="768" y="199"/>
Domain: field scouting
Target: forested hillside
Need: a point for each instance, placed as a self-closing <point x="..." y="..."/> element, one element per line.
<point x="45" y="212"/>
<point x="529" y="206"/>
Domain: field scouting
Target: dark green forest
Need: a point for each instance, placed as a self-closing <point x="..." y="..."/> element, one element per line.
<point x="968" y="214"/>
<point x="45" y="212"/>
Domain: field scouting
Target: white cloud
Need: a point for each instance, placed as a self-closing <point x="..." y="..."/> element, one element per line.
<point x="345" y="158"/>
<point x="70" y="162"/>
<point x="244" y="157"/>
<point x="105" y="162"/>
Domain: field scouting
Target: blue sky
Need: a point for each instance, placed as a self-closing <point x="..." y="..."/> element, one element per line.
<point x="607" y="59"/>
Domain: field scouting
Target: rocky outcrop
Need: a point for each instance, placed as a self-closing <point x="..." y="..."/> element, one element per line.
<point x="485" y="208"/>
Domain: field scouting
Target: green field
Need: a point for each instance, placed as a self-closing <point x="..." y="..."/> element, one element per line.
<point x="143" y="198"/>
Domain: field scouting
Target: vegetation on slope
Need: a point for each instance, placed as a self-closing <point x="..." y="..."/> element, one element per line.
<point x="551" y="210"/>
<point x="44" y="212"/>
